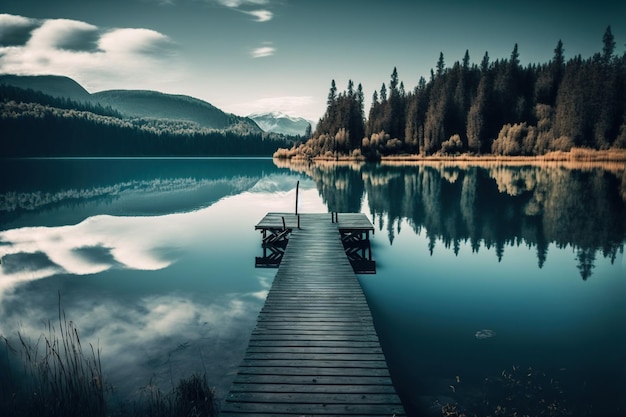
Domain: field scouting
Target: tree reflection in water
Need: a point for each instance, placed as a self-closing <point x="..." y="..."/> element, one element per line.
<point x="489" y="206"/>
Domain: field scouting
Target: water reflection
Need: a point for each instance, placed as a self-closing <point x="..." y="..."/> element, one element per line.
<point x="152" y="259"/>
<point x="478" y="300"/>
<point x="65" y="191"/>
<point x="491" y="206"/>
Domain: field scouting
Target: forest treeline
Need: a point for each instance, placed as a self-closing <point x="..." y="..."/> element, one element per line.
<point x="34" y="124"/>
<point x="495" y="107"/>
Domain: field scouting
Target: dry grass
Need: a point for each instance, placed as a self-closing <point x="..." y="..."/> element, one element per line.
<point x="192" y="397"/>
<point x="613" y="160"/>
<point x="57" y="378"/>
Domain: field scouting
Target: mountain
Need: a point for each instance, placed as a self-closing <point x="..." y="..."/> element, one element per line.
<point x="52" y="85"/>
<point x="138" y="103"/>
<point x="281" y="123"/>
<point x="152" y="104"/>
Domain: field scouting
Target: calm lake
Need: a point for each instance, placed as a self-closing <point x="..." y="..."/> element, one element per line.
<point x="500" y="286"/>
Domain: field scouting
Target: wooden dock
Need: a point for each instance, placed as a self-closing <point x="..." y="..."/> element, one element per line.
<point x="314" y="350"/>
<point x="354" y="230"/>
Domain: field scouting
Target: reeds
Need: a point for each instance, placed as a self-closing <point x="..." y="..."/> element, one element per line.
<point x="57" y="378"/>
<point x="192" y="397"/>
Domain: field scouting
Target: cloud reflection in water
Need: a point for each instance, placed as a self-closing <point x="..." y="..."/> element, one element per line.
<point x="90" y="247"/>
<point x="162" y="299"/>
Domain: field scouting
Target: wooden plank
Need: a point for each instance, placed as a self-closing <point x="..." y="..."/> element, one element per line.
<point x="315" y="363"/>
<point x="313" y="343"/>
<point x="312" y="371"/>
<point x="337" y="380"/>
<point x="291" y="356"/>
<point x="305" y="409"/>
<point x="330" y="397"/>
<point x="314" y="350"/>
<point x="313" y="388"/>
<point x="354" y="337"/>
<point x="285" y="350"/>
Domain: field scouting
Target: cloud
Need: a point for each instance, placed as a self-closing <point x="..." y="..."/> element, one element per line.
<point x="96" y="57"/>
<point x="261" y="15"/>
<point x="263" y="51"/>
<point x="135" y="41"/>
<point x="249" y="7"/>
<point x="239" y="3"/>
<point x="15" y="30"/>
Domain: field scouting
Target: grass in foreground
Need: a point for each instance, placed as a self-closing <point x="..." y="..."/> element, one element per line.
<point x="54" y="377"/>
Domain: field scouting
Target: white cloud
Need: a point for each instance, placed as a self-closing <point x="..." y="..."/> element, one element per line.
<point x="135" y="41"/>
<point x="95" y="57"/>
<point x="55" y="34"/>
<point x="263" y="51"/>
<point x="244" y="6"/>
<point x="239" y="3"/>
<point x="9" y="22"/>
<point x="261" y="15"/>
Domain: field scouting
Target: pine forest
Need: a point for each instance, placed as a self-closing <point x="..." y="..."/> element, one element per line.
<point x="496" y="107"/>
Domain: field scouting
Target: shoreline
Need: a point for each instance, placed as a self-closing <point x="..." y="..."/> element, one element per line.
<point x="611" y="159"/>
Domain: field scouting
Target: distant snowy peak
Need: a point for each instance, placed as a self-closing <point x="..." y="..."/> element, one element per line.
<point x="278" y="122"/>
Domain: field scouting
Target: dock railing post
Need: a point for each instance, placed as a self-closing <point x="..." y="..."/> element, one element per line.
<point x="297" y="192"/>
<point x="284" y="225"/>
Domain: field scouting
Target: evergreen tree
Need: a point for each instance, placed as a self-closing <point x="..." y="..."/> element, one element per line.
<point x="515" y="58"/>
<point x="466" y="60"/>
<point x="440" y="65"/>
<point x="609" y="45"/>
<point x="557" y="67"/>
<point x="332" y="95"/>
<point x="477" y="118"/>
<point x="393" y="83"/>
<point x="394" y="112"/>
<point x="484" y="64"/>
<point x="361" y="98"/>
<point x="383" y="93"/>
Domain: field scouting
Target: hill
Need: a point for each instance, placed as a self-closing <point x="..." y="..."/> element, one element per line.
<point x="281" y="123"/>
<point x="137" y="103"/>
<point x="52" y="85"/>
<point x="35" y="124"/>
<point x="153" y="104"/>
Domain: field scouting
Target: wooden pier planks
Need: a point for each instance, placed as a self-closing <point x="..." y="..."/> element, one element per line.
<point x="314" y="350"/>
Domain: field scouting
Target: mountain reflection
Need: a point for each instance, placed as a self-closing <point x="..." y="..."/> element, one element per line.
<point x="55" y="192"/>
<point x="488" y="206"/>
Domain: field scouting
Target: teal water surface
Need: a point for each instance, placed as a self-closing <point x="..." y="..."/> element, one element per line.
<point x="495" y="286"/>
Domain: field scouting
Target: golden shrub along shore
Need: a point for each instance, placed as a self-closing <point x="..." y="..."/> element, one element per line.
<point x="612" y="160"/>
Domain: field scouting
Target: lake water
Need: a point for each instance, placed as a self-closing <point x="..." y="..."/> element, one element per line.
<point x="501" y="286"/>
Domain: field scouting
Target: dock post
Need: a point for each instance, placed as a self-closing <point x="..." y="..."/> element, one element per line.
<point x="284" y="225"/>
<point x="297" y="192"/>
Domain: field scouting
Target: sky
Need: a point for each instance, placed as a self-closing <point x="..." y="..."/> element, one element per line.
<point x="246" y="56"/>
